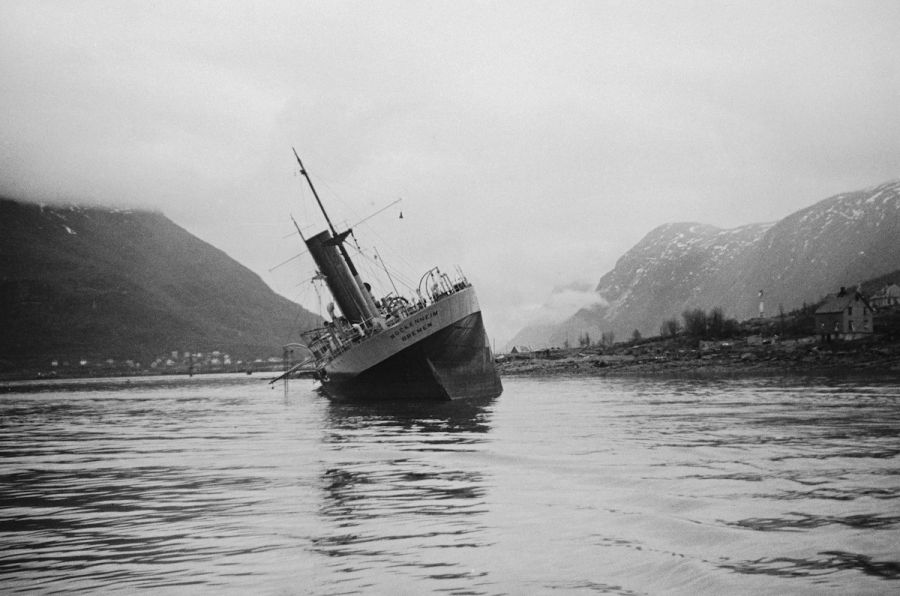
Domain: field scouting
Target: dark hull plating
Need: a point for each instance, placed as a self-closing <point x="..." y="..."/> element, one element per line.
<point x="454" y="363"/>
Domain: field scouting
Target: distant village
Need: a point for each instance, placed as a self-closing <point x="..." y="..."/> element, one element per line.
<point x="173" y="362"/>
<point x="842" y="318"/>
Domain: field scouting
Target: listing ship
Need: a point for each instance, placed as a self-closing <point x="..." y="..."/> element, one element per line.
<point x="432" y="346"/>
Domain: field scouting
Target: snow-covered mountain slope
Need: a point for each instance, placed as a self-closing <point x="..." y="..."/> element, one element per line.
<point x="839" y="241"/>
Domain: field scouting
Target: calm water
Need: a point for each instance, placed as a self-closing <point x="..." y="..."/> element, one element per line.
<point x="223" y="484"/>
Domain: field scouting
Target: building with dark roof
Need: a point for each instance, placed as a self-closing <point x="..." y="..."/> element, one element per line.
<point x="845" y="315"/>
<point x="886" y="297"/>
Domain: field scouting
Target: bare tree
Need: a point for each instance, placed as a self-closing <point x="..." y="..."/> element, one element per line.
<point x="715" y="323"/>
<point x="694" y="322"/>
<point x="669" y="328"/>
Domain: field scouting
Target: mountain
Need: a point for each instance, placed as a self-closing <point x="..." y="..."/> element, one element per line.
<point x="840" y="241"/>
<point x="563" y="302"/>
<point x="82" y="282"/>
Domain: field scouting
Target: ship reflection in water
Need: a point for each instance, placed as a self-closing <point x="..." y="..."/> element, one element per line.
<point x="225" y="485"/>
<point x="402" y="490"/>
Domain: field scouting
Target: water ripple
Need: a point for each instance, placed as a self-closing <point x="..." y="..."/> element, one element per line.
<point x="806" y="521"/>
<point x="224" y="484"/>
<point x="829" y="562"/>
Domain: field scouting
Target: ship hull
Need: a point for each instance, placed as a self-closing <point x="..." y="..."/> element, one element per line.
<point x="440" y="353"/>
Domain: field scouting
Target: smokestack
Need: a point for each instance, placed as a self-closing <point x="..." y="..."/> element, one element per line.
<point x="343" y="286"/>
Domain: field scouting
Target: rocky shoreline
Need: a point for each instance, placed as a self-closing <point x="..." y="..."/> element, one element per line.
<point x="872" y="358"/>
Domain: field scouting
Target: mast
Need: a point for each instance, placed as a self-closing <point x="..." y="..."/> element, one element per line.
<point x="299" y="231"/>
<point x="370" y="311"/>
<point x="319" y="201"/>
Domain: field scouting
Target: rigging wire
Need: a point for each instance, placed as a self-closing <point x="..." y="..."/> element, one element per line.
<point x="318" y="295"/>
<point x="296" y="256"/>
<point x="388" y="273"/>
<point x="402" y="278"/>
<point x="372" y="264"/>
<point x="395" y="255"/>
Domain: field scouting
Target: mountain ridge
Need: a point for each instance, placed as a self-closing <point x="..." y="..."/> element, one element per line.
<point x="841" y="240"/>
<point x="88" y="282"/>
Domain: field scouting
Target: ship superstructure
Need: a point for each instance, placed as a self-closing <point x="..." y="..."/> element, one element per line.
<point x="431" y="346"/>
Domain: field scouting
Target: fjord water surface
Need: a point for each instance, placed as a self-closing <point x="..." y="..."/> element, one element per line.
<point x="223" y="484"/>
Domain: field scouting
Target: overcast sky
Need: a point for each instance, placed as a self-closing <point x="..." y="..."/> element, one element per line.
<point x="532" y="143"/>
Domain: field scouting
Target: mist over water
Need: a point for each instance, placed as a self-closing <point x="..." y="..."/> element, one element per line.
<point x="224" y="484"/>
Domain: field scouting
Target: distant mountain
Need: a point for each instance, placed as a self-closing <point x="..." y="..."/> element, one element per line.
<point x="563" y="302"/>
<point x="79" y="282"/>
<point x="840" y="241"/>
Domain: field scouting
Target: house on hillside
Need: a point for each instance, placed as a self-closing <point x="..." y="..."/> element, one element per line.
<point x="886" y="297"/>
<point x="521" y="352"/>
<point x="845" y="315"/>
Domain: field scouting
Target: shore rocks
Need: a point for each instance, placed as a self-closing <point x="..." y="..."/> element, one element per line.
<point x="667" y="359"/>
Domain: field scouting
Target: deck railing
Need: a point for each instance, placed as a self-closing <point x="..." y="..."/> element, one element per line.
<point x="337" y="337"/>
